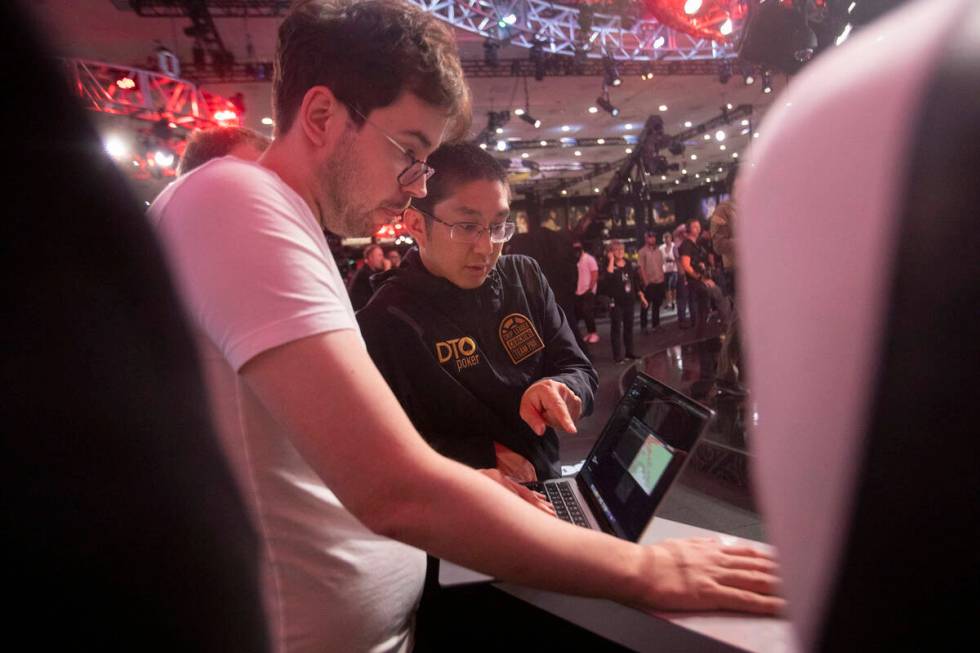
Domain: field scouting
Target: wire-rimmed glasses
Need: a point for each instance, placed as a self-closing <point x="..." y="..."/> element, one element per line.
<point x="415" y="170"/>
<point x="470" y="232"/>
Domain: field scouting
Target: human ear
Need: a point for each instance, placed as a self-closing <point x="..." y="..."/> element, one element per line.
<point x="319" y="114"/>
<point x="415" y="225"/>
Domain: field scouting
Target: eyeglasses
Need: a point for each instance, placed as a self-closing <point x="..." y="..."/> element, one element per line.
<point x="470" y="232"/>
<point x="415" y="170"/>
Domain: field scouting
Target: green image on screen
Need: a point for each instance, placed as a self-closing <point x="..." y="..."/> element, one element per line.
<point x="649" y="463"/>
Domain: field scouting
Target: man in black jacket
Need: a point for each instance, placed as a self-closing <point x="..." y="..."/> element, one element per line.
<point x="472" y="343"/>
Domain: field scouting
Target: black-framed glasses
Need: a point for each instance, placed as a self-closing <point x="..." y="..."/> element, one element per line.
<point x="415" y="170"/>
<point x="470" y="232"/>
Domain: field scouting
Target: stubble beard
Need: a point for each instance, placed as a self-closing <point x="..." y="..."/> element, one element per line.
<point x="338" y="177"/>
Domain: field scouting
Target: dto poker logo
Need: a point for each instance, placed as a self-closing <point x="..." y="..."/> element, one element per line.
<point x="461" y="350"/>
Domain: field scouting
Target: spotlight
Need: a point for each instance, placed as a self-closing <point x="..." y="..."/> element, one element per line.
<point x="611" y="73"/>
<point x="501" y="146"/>
<point x="164" y="158"/>
<point x="726" y="27"/>
<point x="692" y="7"/>
<point x="804" y="40"/>
<point x="646" y="73"/>
<point x="526" y="117"/>
<point x="507" y="20"/>
<point x="766" y="82"/>
<point x="659" y="42"/>
<point x="606" y="105"/>
<point x="720" y="135"/>
<point x="593" y="109"/>
<point x="495" y="122"/>
<point x="116" y="147"/>
<point x="748" y="73"/>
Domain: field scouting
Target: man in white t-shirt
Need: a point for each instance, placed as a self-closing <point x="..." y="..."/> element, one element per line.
<point x="588" y="280"/>
<point x="669" y="253"/>
<point x="327" y="460"/>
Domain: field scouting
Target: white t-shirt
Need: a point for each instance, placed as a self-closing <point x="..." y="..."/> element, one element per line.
<point x="586" y="266"/>
<point x="254" y="271"/>
<point x="670" y="257"/>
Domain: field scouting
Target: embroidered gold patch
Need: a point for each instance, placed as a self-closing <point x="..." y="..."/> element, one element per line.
<point x="462" y="350"/>
<point x="519" y="337"/>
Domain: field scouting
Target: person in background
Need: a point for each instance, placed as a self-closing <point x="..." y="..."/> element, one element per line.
<point x="651" y="269"/>
<point x="394" y="257"/>
<point x="621" y="282"/>
<point x="207" y="144"/>
<point x="588" y="279"/>
<point x="360" y="284"/>
<point x="685" y="300"/>
<point x="669" y="253"/>
<point x="697" y="269"/>
<point x="721" y="228"/>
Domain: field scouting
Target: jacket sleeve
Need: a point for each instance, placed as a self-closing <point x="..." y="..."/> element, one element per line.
<point x="564" y="360"/>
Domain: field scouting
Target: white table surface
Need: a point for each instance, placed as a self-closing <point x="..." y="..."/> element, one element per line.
<point x="672" y="632"/>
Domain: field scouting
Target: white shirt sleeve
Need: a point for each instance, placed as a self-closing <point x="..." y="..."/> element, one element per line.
<point x="254" y="269"/>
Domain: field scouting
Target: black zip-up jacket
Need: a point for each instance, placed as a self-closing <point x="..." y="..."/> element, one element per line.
<point x="459" y="360"/>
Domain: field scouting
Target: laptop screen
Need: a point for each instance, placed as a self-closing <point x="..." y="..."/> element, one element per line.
<point x="642" y="449"/>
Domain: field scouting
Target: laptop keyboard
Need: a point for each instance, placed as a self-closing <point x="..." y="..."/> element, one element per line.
<point x="561" y="497"/>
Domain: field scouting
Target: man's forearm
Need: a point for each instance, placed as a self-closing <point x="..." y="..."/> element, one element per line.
<point x="389" y="478"/>
<point x="398" y="486"/>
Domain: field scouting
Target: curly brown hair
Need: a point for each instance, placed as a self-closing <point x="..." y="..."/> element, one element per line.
<point x="367" y="52"/>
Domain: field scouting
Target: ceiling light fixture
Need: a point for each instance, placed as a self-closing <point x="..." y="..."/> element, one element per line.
<point x="610" y="72"/>
<point x="606" y="105"/>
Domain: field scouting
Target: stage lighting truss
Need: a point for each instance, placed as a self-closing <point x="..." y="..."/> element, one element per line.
<point x="564" y="32"/>
<point x="519" y="22"/>
<point x="147" y="95"/>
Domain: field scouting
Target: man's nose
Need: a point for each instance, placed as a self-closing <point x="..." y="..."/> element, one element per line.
<point x="483" y="244"/>
<point x="417" y="188"/>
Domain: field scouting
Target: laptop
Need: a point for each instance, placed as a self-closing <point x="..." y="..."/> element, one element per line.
<point x="643" y="447"/>
<point x="645" y="444"/>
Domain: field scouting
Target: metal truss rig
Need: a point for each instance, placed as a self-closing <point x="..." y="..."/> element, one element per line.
<point x="557" y="28"/>
<point x="241" y="73"/>
<point x="146" y="95"/>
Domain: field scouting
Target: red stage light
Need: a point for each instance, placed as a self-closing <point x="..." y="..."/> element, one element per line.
<point x="225" y="115"/>
<point x="704" y="21"/>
